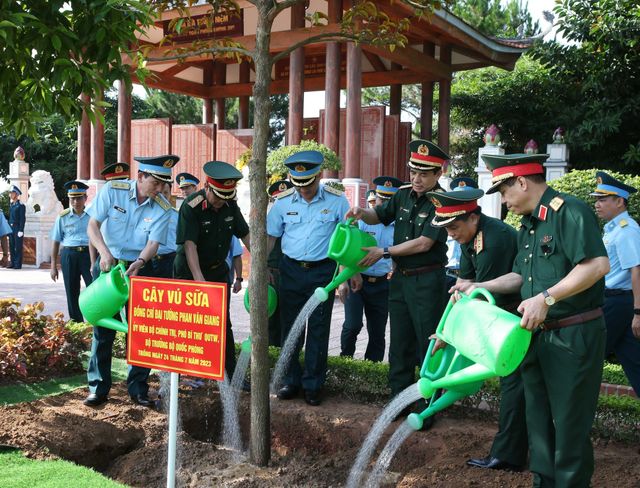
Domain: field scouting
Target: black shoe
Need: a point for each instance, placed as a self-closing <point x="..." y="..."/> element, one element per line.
<point x="287" y="392"/>
<point x="143" y="400"/>
<point x="491" y="462"/>
<point x="312" y="397"/>
<point x="94" y="400"/>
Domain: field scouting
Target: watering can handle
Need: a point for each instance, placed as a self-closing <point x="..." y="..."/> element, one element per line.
<point x="485" y="293"/>
<point x="350" y="221"/>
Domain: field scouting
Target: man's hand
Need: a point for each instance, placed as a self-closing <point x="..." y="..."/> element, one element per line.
<point x="355" y="213"/>
<point x="465" y="287"/>
<point x="134" y="267"/>
<point x="343" y="291"/>
<point x="20" y="234"/>
<point x="374" y="254"/>
<point x="356" y="282"/>
<point x="533" y="311"/>
<point x="107" y="261"/>
<point x="635" y="326"/>
<point x="237" y="286"/>
<point x="440" y="344"/>
<point x="54" y="272"/>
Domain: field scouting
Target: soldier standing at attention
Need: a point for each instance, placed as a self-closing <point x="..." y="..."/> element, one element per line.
<point x="17" y="219"/>
<point x="273" y="263"/>
<point x="622" y="283"/>
<point x="162" y="262"/>
<point x="207" y="220"/>
<point x="488" y="248"/>
<point x="416" y="291"/>
<point x="559" y="271"/>
<point x="129" y="220"/>
<point x="70" y="230"/>
<point x="187" y="183"/>
<point x="305" y="218"/>
<point x="373" y="297"/>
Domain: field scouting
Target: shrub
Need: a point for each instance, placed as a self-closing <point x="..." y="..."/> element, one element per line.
<point x="580" y="183"/>
<point x="33" y="345"/>
<point x="83" y="332"/>
<point x="275" y="160"/>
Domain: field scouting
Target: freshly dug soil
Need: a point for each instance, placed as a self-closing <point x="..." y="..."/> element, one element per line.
<point x="311" y="446"/>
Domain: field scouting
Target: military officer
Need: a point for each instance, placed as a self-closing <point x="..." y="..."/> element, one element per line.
<point x="70" y="230"/>
<point x="488" y="248"/>
<point x="128" y="221"/>
<point x="373" y="297"/>
<point x="187" y="183"/>
<point x="416" y="292"/>
<point x="453" y="247"/>
<point x="115" y="171"/>
<point x="305" y="217"/>
<point x="207" y="220"/>
<point x="559" y="271"/>
<point x="162" y="263"/>
<point x="17" y="218"/>
<point x="622" y="283"/>
<point x="273" y="263"/>
<point x="5" y="232"/>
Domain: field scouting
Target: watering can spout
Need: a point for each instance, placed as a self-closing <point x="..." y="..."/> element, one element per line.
<point x="106" y="297"/>
<point x="322" y="293"/>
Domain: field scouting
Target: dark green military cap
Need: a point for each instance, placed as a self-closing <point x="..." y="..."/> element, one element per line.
<point x="222" y="178"/>
<point x="116" y="171"/>
<point x="452" y="204"/>
<point x="505" y="166"/>
<point x="425" y="155"/>
<point x="278" y="187"/>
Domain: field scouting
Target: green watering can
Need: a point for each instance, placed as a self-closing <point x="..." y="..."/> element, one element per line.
<point x="105" y="297"/>
<point x="272" y="300"/>
<point x="345" y="247"/>
<point x="482" y="341"/>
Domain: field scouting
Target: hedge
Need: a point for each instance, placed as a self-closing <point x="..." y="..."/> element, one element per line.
<point x="275" y="160"/>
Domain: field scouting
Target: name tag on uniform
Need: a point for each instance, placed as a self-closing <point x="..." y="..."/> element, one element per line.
<point x="404" y="209"/>
<point x="292" y="213"/>
<point x="119" y="209"/>
<point x="148" y="219"/>
<point x="325" y="211"/>
<point x="228" y="219"/>
<point x="423" y="215"/>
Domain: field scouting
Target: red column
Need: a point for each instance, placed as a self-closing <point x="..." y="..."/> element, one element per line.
<point x="83" y="165"/>
<point x="124" y="122"/>
<point x="220" y="78"/>
<point x="445" y="102"/>
<point x="332" y="89"/>
<point x="97" y="148"/>
<point x="395" y="93"/>
<point x="296" y="82"/>
<point x="243" y="102"/>
<point x="426" y="110"/>
<point x="354" y="111"/>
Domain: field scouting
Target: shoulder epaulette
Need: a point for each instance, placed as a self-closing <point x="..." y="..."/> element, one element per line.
<point x="623" y="223"/>
<point x="285" y="193"/>
<point x="439" y="190"/>
<point x="408" y="185"/>
<point x="174" y="209"/>
<point x="333" y="190"/>
<point x="64" y="212"/>
<point x="162" y="201"/>
<point x="478" y="243"/>
<point x="121" y="185"/>
<point x="556" y="203"/>
<point x="196" y="201"/>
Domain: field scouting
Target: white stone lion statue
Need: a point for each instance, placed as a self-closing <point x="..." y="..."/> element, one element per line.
<point x="41" y="193"/>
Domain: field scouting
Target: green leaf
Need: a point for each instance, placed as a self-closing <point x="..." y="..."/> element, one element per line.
<point x="57" y="43"/>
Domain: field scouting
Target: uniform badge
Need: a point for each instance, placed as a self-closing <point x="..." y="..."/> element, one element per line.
<point x="544" y="243"/>
<point x="196" y="200"/>
<point x="292" y="213"/>
<point x="148" y="219"/>
<point x="556" y="203"/>
<point x="623" y="223"/>
<point x="478" y="243"/>
<point x="542" y="213"/>
<point x="120" y="209"/>
<point x="228" y="219"/>
<point x="436" y="202"/>
<point x="423" y="215"/>
<point x="325" y="211"/>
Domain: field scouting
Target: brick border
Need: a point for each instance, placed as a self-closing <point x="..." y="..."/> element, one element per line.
<point x="618" y="390"/>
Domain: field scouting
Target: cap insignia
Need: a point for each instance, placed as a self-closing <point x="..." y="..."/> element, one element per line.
<point x="119" y="169"/>
<point x="168" y="163"/>
<point x="282" y="187"/>
<point x="423" y="149"/>
<point x="74" y="187"/>
<point x="599" y="180"/>
<point x="436" y="202"/>
<point x="300" y="168"/>
<point x="229" y="182"/>
<point x="388" y="183"/>
<point x="462" y="184"/>
<point x="182" y="178"/>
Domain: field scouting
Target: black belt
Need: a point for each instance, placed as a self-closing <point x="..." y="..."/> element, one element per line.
<point x="420" y="270"/>
<point x="160" y="257"/>
<point x="310" y="264"/>
<point x="612" y="292"/>
<point x="374" y="279"/>
<point x="77" y="248"/>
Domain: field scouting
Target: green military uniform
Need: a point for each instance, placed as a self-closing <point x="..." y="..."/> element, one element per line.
<point x="211" y="231"/>
<point x="563" y="367"/>
<point x="416" y="288"/>
<point x="488" y="255"/>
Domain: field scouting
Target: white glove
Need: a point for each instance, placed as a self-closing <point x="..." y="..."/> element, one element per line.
<point x="20" y="234"/>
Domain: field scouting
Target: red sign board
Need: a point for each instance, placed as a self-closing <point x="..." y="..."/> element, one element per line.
<point x="205" y="26"/>
<point x="178" y="326"/>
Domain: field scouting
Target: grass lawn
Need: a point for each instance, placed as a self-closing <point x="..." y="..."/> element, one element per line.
<point x="29" y="392"/>
<point x="19" y="472"/>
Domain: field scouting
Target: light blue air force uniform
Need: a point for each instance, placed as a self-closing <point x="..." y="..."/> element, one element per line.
<point x="235" y="249"/>
<point x="622" y="240"/>
<point x="170" y="245"/>
<point x="5" y="228"/>
<point x="126" y="228"/>
<point x="70" y="229"/>
<point x="306" y="229"/>
<point x="384" y="238"/>
<point x="127" y="225"/>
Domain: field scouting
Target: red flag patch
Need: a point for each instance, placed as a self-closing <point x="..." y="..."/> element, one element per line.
<point x="542" y="213"/>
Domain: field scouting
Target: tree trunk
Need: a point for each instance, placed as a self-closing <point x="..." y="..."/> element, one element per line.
<point x="260" y="450"/>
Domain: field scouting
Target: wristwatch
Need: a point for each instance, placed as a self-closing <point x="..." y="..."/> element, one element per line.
<point x="636" y="311"/>
<point x="385" y="253"/>
<point x="239" y="279"/>
<point x="548" y="299"/>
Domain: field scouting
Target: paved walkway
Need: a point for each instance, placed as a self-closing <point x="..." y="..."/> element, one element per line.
<point x="31" y="284"/>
